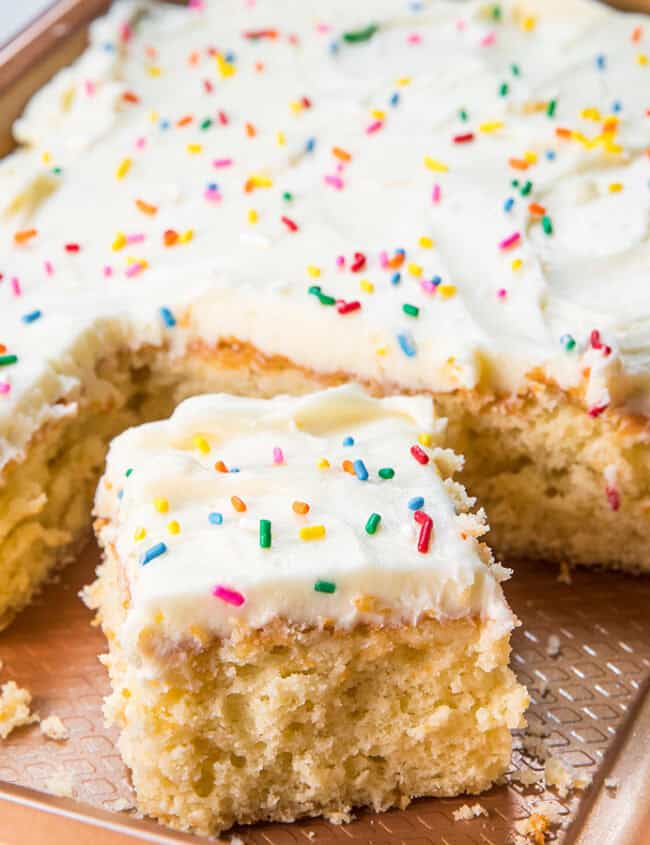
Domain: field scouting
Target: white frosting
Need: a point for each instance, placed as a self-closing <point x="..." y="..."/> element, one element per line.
<point x="251" y="280"/>
<point x="168" y="461"/>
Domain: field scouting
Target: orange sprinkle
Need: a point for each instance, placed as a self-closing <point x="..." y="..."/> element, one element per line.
<point x="536" y="208"/>
<point x="341" y="154"/>
<point x="250" y="130"/>
<point x="518" y="163"/>
<point x="130" y="97"/>
<point x="145" y="207"/>
<point x="170" y="237"/>
<point x="193" y="58"/>
<point x="348" y="466"/>
<point x="25" y="235"/>
<point x="3" y="348"/>
<point x="220" y="467"/>
<point x="637" y="32"/>
<point x="300" y="507"/>
<point x="259" y="67"/>
<point x="185" y="121"/>
<point x="562" y="133"/>
<point x="396" y="261"/>
<point x="237" y="504"/>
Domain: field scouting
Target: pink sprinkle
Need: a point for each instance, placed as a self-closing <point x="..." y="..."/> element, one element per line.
<point x="436" y="194"/>
<point x="136" y="238"/>
<point x="488" y="39"/>
<point x="89" y="87"/>
<point x="125" y="32"/>
<point x="15" y="286"/>
<point x="140" y="143"/>
<point x="212" y="195"/>
<point x="414" y="38"/>
<point x="383" y="259"/>
<point x="196" y="4"/>
<point x="5" y="387"/>
<point x="502" y="293"/>
<point x="134" y="269"/>
<point x="461" y="25"/>
<point x="613" y="497"/>
<point x="340" y="261"/>
<point x="48" y="267"/>
<point x="427" y="286"/>
<point x="323" y="27"/>
<point x="108" y="271"/>
<point x="511" y="240"/>
<point x="278" y="455"/>
<point x="228" y="595"/>
<point x="222" y="162"/>
<point x="374" y="127"/>
<point x="334" y="181"/>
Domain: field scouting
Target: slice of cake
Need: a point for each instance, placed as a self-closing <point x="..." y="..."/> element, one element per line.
<point x="300" y="614"/>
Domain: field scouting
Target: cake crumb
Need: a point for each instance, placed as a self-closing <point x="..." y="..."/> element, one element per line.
<point x="120" y="805"/>
<point x="467" y="812"/>
<point x="535" y="827"/>
<point x="60" y="785"/>
<point x="53" y="728"/>
<point x="560" y="776"/>
<point x="527" y="777"/>
<point x="553" y="646"/>
<point x="14" y="708"/>
<point x="612" y="784"/>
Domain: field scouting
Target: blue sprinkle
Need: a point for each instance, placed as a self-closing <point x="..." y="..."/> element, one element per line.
<point x="550" y="155"/>
<point x="215" y="518"/>
<point x="436" y="280"/>
<point x="407" y="345"/>
<point x="416" y="503"/>
<point x="230" y="57"/>
<point x="120" y="494"/>
<point x="168" y="318"/>
<point x="394" y="100"/>
<point x="507" y="205"/>
<point x="334" y="47"/>
<point x="164" y="123"/>
<point x="617" y="106"/>
<point x="32" y="316"/>
<point x="360" y="469"/>
<point x="233" y="469"/>
<point x="396" y="278"/>
<point x="400" y="251"/>
<point x="415" y="6"/>
<point x="213" y="186"/>
<point x="153" y="552"/>
<point x="348" y="441"/>
<point x="108" y="47"/>
<point x="601" y="61"/>
<point x="310" y="145"/>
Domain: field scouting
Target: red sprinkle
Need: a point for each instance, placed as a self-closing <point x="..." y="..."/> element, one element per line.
<point x="72" y="247"/>
<point x="223" y="118"/>
<point x="208" y="86"/>
<point x="426" y="527"/>
<point x="256" y="34"/>
<point x="420" y="455"/>
<point x="613" y="497"/>
<point x="464" y="139"/>
<point x="597" y="410"/>
<point x="344" y="307"/>
<point x="289" y="223"/>
<point x="358" y="263"/>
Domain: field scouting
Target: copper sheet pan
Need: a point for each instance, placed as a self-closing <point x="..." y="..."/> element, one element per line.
<point x="591" y="698"/>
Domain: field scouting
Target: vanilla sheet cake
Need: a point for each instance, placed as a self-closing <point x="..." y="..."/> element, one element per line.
<point x="260" y="198"/>
<point x="300" y="613"/>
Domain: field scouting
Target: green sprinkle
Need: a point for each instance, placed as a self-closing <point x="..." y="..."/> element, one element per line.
<point x="57" y="171"/>
<point x="386" y="472"/>
<point x="356" y="36"/>
<point x="515" y="183"/>
<point x="287" y="196"/>
<point x="326" y="300"/>
<point x="128" y="472"/>
<point x="5" y="360"/>
<point x="526" y="188"/>
<point x="463" y="115"/>
<point x="325" y="586"/>
<point x="265" y="533"/>
<point x="550" y="108"/>
<point x="503" y="89"/>
<point x="315" y="290"/>
<point x="547" y="225"/>
<point x="496" y="13"/>
<point x="515" y="69"/>
<point x="373" y="523"/>
<point x="411" y="310"/>
<point x="568" y="342"/>
<point x="207" y="123"/>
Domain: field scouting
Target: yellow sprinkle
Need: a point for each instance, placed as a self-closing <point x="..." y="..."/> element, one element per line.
<point x="201" y="443"/>
<point x="313" y="271"/>
<point x="517" y="263"/>
<point x="296" y="106"/>
<point x="491" y="126"/>
<point x="126" y="693"/>
<point x="46" y="158"/>
<point x="378" y="114"/>
<point x="425" y="242"/>
<point x="590" y="114"/>
<point x="425" y="439"/>
<point x="154" y="70"/>
<point x="194" y="148"/>
<point x="615" y="187"/>
<point x="403" y="81"/>
<point x="119" y="242"/>
<point x="158" y="617"/>
<point x="435" y="165"/>
<point x="225" y="68"/>
<point x="381" y="350"/>
<point x="446" y="290"/>
<point x="161" y="505"/>
<point x="187" y="236"/>
<point x="312" y="532"/>
<point x="530" y="157"/>
<point x="154" y="116"/>
<point x="414" y="269"/>
<point x="123" y="168"/>
<point x="323" y="464"/>
<point x="253" y="216"/>
<point x="529" y="23"/>
<point x="139" y="534"/>
<point x="173" y="527"/>
<point x="280" y="137"/>
<point x="366" y="286"/>
<point x="642" y="59"/>
<point x="132" y="259"/>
